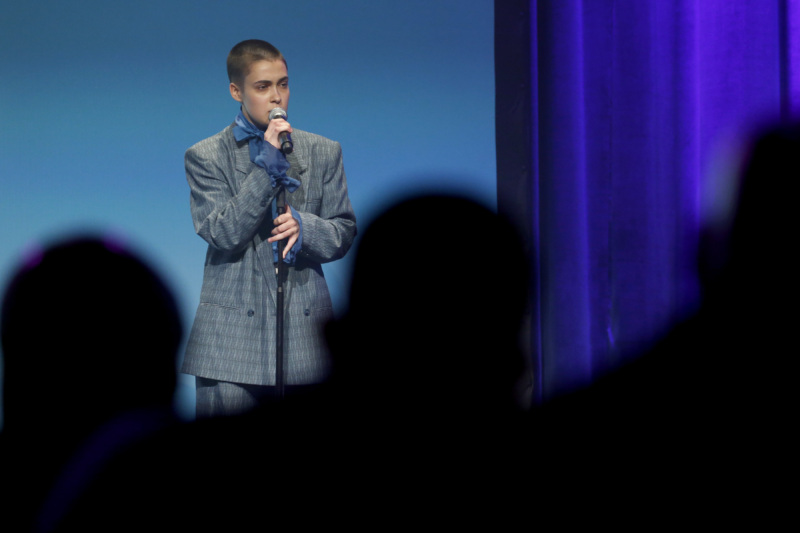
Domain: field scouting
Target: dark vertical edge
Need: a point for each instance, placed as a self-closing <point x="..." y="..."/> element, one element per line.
<point x="784" y="57"/>
<point x="516" y="139"/>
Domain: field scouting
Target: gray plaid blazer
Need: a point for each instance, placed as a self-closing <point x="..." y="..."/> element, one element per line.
<point x="233" y="335"/>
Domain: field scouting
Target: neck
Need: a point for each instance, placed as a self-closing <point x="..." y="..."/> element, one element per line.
<point x="249" y="119"/>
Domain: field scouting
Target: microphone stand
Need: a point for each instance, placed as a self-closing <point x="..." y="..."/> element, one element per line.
<point x="280" y="272"/>
<point x="280" y="268"/>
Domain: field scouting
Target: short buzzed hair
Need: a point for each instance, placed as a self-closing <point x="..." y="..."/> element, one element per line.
<point x="248" y="52"/>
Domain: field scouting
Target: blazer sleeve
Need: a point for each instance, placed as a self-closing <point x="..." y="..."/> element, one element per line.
<point x="227" y="214"/>
<point x="327" y="236"/>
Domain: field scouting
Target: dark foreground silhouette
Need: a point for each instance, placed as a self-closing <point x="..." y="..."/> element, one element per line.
<point x="699" y="429"/>
<point x="89" y="336"/>
<point x="417" y="424"/>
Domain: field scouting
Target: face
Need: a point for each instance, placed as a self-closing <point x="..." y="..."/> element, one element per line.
<point x="265" y="88"/>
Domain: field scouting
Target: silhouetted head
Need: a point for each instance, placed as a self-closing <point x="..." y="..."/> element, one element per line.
<point x="746" y="325"/>
<point x="439" y="287"/>
<point x="88" y="330"/>
<point x="750" y="262"/>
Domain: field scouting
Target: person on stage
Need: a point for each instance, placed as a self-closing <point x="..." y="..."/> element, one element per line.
<point x="235" y="177"/>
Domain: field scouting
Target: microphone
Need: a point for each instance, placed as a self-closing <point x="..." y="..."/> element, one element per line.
<point x="284" y="138"/>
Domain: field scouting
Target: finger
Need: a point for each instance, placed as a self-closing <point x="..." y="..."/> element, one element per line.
<point x="274" y="129"/>
<point x="284" y="227"/>
<point x="282" y="219"/>
<point x="282" y="234"/>
<point x="278" y="234"/>
<point x="281" y="230"/>
<point x="279" y="125"/>
<point x="289" y="244"/>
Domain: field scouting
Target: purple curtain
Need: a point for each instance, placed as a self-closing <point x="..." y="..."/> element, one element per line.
<point x="609" y="116"/>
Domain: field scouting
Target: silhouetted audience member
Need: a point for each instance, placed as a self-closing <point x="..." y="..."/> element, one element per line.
<point x="438" y="291"/>
<point x="89" y="338"/>
<point x="699" y="426"/>
<point x="427" y="357"/>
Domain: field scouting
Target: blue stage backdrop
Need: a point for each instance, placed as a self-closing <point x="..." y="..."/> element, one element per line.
<point x="99" y="101"/>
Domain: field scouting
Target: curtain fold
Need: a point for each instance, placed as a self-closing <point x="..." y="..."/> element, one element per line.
<point x="627" y="103"/>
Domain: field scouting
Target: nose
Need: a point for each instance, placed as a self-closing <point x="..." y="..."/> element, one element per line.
<point x="275" y="97"/>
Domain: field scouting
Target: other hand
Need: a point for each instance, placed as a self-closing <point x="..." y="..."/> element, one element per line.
<point x="285" y="227"/>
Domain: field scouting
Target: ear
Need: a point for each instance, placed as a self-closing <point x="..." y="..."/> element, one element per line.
<point x="236" y="94"/>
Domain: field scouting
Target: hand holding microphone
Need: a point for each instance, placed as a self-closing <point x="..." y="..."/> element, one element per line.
<point x="284" y="137"/>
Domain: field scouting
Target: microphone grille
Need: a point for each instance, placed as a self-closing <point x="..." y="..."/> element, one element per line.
<point x="278" y="112"/>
